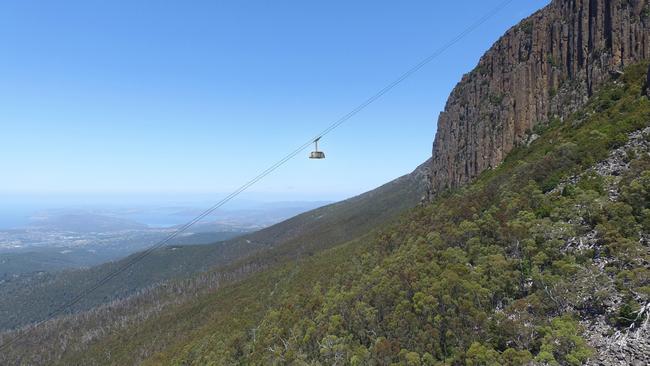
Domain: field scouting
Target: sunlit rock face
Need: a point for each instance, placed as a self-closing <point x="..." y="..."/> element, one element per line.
<point x="545" y="67"/>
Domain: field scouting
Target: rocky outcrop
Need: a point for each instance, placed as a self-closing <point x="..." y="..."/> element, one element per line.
<point x="545" y="67"/>
<point x="613" y="346"/>
<point x="616" y="348"/>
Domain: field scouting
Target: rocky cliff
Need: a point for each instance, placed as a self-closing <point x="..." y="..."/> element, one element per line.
<point x="545" y="67"/>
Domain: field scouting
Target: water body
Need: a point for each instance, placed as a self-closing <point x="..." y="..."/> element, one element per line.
<point x="16" y="211"/>
<point x="15" y="217"/>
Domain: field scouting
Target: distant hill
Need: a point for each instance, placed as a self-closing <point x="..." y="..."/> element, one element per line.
<point x="84" y="223"/>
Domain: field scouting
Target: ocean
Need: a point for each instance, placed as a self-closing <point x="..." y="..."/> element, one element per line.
<point x="14" y="217"/>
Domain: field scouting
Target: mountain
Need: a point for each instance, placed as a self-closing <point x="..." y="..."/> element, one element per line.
<point x="29" y="298"/>
<point x="546" y="67"/>
<point x="540" y="261"/>
<point x="536" y="253"/>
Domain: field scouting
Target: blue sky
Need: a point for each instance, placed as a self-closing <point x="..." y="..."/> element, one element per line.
<point x="196" y="97"/>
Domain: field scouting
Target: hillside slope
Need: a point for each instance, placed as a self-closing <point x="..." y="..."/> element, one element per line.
<point x="544" y="259"/>
<point x="28" y="299"/>
<point x="545" y="67"/>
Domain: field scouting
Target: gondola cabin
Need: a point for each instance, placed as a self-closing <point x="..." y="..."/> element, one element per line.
<point x="317" y="154"/>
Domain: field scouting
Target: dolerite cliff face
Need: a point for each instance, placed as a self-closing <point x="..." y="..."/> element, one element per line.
<point x="545" y="67"/>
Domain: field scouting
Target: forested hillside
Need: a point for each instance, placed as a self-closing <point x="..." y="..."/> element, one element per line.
<point x="27" y="299"/>
<point x="542" y="259"/>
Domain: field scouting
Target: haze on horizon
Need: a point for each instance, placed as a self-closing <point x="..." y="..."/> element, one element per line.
<point x="145" y="99"/>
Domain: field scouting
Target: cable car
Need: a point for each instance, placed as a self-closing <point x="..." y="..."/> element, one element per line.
<point x="317" y="154"/>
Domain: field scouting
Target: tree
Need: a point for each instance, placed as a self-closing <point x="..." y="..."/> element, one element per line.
<point x="562" y="344"/>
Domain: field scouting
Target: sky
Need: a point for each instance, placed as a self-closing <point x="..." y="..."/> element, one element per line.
<point x="180" y="98"/>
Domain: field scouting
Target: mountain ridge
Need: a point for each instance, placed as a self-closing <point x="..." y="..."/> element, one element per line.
<point x="545" y="67"/>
